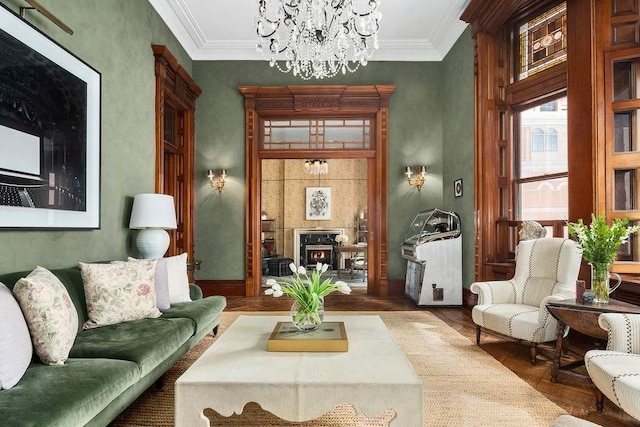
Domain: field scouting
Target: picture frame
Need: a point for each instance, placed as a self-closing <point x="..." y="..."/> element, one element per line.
<point x="457" y="188"/>
<point x="50" y="130"/>
<point x="318" y="203"/>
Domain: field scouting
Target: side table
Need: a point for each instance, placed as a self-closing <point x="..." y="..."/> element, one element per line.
<point x="353" y="249"/>
<point x="582" y="318"/>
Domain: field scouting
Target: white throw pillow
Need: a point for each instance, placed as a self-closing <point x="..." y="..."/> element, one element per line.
<point x="15" y="343"/>
<point x="119" y="292"/>
<point x="162" y="285"/>
<point x="50" y="314"/>
<point x="177" y="279"/>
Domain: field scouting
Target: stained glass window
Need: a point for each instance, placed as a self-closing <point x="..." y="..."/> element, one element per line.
<point x="543" y="41"/>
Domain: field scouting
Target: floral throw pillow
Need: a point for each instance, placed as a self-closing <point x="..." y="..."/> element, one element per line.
<point x="51" y="317"/>
<point x="119" y="292"/>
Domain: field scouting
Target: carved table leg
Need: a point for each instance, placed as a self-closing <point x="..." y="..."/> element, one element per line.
<point x="559" y="347"/>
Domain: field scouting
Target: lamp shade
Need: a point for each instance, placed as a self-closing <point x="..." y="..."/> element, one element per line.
<point x="152" y="210"/>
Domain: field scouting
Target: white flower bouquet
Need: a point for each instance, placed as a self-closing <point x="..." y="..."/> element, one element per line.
<point x="342" y="238"/>
<point x="308" y="292"/>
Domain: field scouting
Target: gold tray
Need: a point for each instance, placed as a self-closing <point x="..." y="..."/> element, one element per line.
<point x="330" y="336"/>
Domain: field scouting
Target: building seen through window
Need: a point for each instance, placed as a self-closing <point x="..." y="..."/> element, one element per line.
<point x="541" y="162"/>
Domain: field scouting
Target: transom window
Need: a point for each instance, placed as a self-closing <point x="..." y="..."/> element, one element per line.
<point x="543" y="41"/>
<point x="317" y="134"/>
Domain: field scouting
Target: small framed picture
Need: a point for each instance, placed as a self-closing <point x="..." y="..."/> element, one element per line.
<point x="318" y="203"/>
<point x="457" y="188"/>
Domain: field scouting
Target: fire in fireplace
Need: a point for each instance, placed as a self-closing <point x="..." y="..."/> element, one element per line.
<point x="316" y="245"/>
<point x="318" y="253"/>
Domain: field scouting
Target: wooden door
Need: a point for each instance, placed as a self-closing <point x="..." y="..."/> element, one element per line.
<point x="176" y="94"/>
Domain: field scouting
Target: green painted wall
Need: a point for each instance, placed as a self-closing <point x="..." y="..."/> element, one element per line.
<point x="114" y="37"/>
<point x="416" y="135"/>
<point x="431" y="123"/>
<point x="458" y="143"/>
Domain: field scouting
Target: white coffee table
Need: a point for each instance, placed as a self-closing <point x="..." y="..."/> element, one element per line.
<point x="373" y="376"/>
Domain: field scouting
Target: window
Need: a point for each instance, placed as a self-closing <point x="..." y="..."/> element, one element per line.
<point x="537" y="140"/>
<point x="621" y="186"/>
<point x="549" y="106"/>
<point x="551" y="140"/>
<point x="320" y="134"/>
<point x="544" y="140"/>
<point x="543" y="41"/>
<point x="540" y="183"/>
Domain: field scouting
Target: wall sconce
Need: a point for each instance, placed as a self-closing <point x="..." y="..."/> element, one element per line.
<point x="216" y="180"/>
<point x="418" y="181"/>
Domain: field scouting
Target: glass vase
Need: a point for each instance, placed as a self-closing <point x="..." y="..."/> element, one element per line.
<point x="600" y="282"/>
<point x="307" y="319"/>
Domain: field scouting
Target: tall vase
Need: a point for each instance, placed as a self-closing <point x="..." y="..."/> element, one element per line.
<point x="307" y="318"/>
<point x="600" y="285"/>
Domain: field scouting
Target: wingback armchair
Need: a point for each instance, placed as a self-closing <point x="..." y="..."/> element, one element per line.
<point x="616" y="371"/>
<point x="546" y="270"/>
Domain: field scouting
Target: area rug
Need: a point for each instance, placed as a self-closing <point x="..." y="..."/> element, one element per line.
<point x="463" y="385"/>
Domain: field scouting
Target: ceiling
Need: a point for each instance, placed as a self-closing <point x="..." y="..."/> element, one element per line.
<point x="410" y="30"/>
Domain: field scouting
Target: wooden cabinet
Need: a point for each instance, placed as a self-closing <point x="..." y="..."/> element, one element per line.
<point x="362" y="229"/>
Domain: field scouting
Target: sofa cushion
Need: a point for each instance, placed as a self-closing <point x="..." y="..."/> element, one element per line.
<point x="66" y="395"/>
<point x="15" y="343"/>
<point x="172" y="281"/>
<point x="119" y="292"/>
<point x="51" y="316"/>
<point x="204" y="313"/>
<point x="616" y="375"/>
<point x="146" y="342"/>
<point x="162" y="285"/>
<point x="177" y="279"/>
<point x="515" y="320"/>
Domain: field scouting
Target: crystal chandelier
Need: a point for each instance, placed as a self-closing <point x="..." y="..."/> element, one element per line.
<point x="316" y="167"/>
<point x="318" y="38"/>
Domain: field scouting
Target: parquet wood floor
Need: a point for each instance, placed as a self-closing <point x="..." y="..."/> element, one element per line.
<point x="576" y="398"/>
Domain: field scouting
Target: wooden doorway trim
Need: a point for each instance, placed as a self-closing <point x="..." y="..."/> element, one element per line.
<point x="175" y="159"/>
<point x="318" y="101"/>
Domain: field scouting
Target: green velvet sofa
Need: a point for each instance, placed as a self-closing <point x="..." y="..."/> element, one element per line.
<point x="108" y="367"/>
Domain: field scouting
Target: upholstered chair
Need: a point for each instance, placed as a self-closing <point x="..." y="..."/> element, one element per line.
<point x="546" y="270"/>
<point x="616" y="370"/>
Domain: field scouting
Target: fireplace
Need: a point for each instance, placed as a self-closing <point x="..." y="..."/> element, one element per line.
<point x="313" y="245"/>
<point x="319" y="253"/>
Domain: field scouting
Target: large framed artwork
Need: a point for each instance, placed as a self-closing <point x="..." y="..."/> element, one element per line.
<point x="318" y="204"/>
<point x="49" y="132"/>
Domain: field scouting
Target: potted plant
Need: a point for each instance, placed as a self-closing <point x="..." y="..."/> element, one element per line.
<point x="308" y="293"/>
<point x="600" y="243"/>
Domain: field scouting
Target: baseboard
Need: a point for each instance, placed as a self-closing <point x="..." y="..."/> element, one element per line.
<point x="227" y="288"/>
<point x="236" y="288"/>
<point x="395" y="287"/>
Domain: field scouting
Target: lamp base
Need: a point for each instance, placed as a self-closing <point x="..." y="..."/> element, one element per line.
<point x="152" y="242"/>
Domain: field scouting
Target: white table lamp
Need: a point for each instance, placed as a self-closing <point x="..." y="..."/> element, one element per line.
<point x="152" y="214"/>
